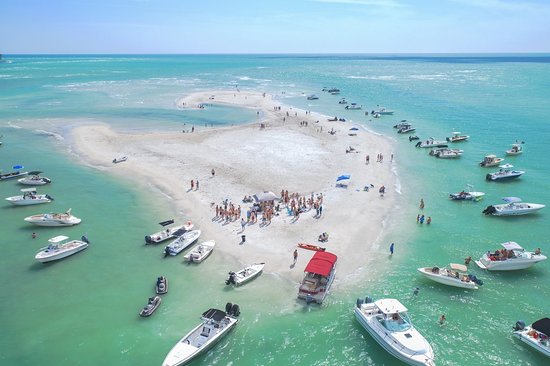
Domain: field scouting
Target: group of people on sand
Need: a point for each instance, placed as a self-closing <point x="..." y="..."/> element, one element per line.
<point x="227" y="211"/>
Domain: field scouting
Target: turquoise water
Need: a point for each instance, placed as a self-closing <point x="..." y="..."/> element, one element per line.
<point x="83" y="310"/>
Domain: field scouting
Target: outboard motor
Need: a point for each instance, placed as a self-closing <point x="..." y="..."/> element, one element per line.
<point x="228" y="307"/>
<point x="49" y="197"/>
<point x="489" y="210"/>
<point x="418" y="144"/>
<point x="359" y="303"/>
<point x="520" y="325"/>
<point x="231" y="279"/>
<point x="84" y="238"/>
<point x="166" y="251"/>
<point x="475" y="280"/>
<point x="309" y="299"/>
<point x="148" y="239"/>
<point x="368" y="300"/>
<point x="235" y="311"/>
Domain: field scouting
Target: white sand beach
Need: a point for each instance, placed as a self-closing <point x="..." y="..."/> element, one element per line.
<point x="249" y="159"/>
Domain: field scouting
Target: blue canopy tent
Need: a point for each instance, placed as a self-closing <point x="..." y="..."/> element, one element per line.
<point x="343" y="180"/>
<point x="354" y="129"/>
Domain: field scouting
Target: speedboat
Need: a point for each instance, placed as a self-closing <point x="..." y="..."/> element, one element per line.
<point x="152" y="305"/>
<point x="490" y="160"/>
<point x="515" y="150"/>
<point x="214" y="325"/>
<point x="353" y="106"/>
<point x="120" y="159"/>
<point x="431" y="143"/>
<point x="343" y="101"/>
<point x="412" y="138"/>
<point x="511" y="257"/>
<point x="312" y="97"/>
<point x="535" y="335"/>
<point x="29" y="197"/>
<point x="200" y="252"/>
<point x="383" y="111"/>
<point x="34" y="179"/>
<point x="12" y="175"/>
<point x="446" y="153"/>
<point x="54" y="219"/>
<point x="455" y="276"/>
<point x="467" y="195"/>
<point x="512" y="207"/>
<point x="245" y="275"/>
<point x="406" y="129"/>
<point x="505" y="173"/>
<point x="184" y="241"/>
<point x="161" y="286"/>
<point x="386" y="321"/>
<point x="60" y="247"/>
<point x="168" y="233"/>
<point x="457" y="137"/>
<point x="402" y="124"/>
<point x="334" y="91"/>
<point x="319" y="275"/>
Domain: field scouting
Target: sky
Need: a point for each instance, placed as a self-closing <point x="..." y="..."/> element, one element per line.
<point x="274" y="26"/>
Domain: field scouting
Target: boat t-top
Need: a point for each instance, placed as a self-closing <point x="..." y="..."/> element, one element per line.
<point x="457" y="137"/>
<point x="512" y="207"/>
<point x="456" y="275"/>
<point x="34" y="179"/>
<point x="383" y="111"/>
<point x="214" y="325"/>
<point x="60" y="247"/>
<point x="353" y="106"/>
<point x="406" y="129"/>
<point x="515" y="150"/>
<point x="536" y="335"/>
<point x="431" y="143"/>
<point x="505" y="173"/>
<point x="467" y="194"/>
<point x="402" y="124"/>
<point x="29" y="197"/>
<point x="511" y="257"/>
<point x="446" y="153"/>
<point x="54" y="219"/>
<point x="181" y="243"/>
<point x="490" y="160"/>
<point x="386" y="321"/>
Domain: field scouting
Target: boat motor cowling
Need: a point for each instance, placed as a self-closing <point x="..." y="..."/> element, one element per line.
<point x="228" y="307"/>
<point x="520" y="325"/>
<point x="359" y="302"/>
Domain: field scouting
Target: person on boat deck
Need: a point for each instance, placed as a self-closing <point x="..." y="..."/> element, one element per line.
<point x="537" y="251"/>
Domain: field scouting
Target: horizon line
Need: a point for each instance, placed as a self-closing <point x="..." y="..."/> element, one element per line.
<point x="285" y="53"/>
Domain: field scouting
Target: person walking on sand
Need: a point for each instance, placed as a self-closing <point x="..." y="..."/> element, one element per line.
<point x="243" y="224"/>
<point x="192" y="184"/>
<point x="197" y="185"/>
<point x="367" y="159"/>
<point x="422" y="203"/>
<point x="391" y="248"/>
<point x="213" y="172"/>
<point x="295" y="255"/>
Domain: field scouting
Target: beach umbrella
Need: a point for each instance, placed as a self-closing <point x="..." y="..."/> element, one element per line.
<point x="343" y="177"/>
<point x="265" y="196"/>
<point x="17" y="167"/>
<point x="354" y="129"/>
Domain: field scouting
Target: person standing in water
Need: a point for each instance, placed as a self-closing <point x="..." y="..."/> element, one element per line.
<point x="391" y="248"/>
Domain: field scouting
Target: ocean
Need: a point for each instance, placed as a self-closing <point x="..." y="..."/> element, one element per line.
<point x="83" y="310"/>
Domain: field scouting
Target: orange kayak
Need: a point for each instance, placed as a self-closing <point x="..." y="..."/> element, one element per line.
<point x="311" y="247"/>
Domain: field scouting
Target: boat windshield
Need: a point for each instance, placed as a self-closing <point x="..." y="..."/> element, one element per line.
<point x="397" y="322"/>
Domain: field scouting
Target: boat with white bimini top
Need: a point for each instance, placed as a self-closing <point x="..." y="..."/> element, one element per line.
<point x="120" y="159"/>
<point x="490" y="160"/>
<point x="386" y="321"/>
<point x="456" y="275"/>
<point x="353" y="106"/>
<point x="29" y="197"/>
<point x="34" y="179"/>
<point x="536" y="335"/>
<point x="512" y="257"/>
<point x="168" y="233"/>
<point x="515" y="150"/>
<point x="319" y="275"/>
<point x="446" y="153"/>
<point x="245" y="275"/>
<point x="505" y="173"/>
<point x="467" y="194"/>
<point x="54" y="219"/>
<point x="402" y="124"/>
<point x="512" y="207"/>
<point x="200" y="252"/>
<point x="406" y="129"/>
<point x="431" y="143"/>
<point x="457" y="137"/>
<point x="214" y="325"/>
<point x="181" y="243"/>
<point x="383" y="111"/>
<point x="60" y="247"/>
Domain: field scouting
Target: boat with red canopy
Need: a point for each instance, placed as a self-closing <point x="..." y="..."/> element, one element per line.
<point x="319" y="275"/>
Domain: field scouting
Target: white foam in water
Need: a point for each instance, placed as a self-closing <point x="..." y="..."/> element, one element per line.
<point x="49" y="133"/>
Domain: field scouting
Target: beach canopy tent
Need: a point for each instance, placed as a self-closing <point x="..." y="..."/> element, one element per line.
<point x="265" y="196"/>
<point x="343" y="177"/>
<point x="321" y="263"/>
<point x="17" y="167"/>
<point x="354" y="129"/>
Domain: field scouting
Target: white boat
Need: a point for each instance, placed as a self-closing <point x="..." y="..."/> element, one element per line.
<point x="386" y="321"/>
<point x="511" y="257"/>
<point x="353" y="106"/>
<point x="512" y="207"/>
<point x="406" y="129"/>
<point x="457" y="137"/>
<point x="34" y="179"/>
<point x="343" y="101"/>
<point x="60" y="248"/>
<point x="152" y="305"/>
<point x="200" y="252"/>
<point x="402" y="124"/>
<point x="334" y="91"/>
<point x="245" y="275"/>
<point x="12" y="175"/>
<point x="515" y="150"/>
<point x="171" y="232"/>
<point x="536" y="335"/>
<point x="383" y="111"/>
<point x="312" y="97"/>
<point x="446" y="153"/>
<point x="214" y="325"/>
<point x="319" y="275"/>
<point x="54" y="219"/>
<point x="505" y="173"/>
<point x="467" y="195"/>
<point x="184" y="241"/>
<point x="120" y="159"/>
<point x="456" y="275"/>
<point x="29" y="197"/>
<point x="490" y="160"/>
<point x="431" y="143"/>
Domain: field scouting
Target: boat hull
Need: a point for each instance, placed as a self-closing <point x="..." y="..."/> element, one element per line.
<point x="43" y="220"/>
<point x="17" y="201"/>
<point x="536" y="344"/>
<point x="507" y="265"/>
<point x="447" y="280"/>
<point x="517" y="210"/>
<point x="61" y="255"/>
